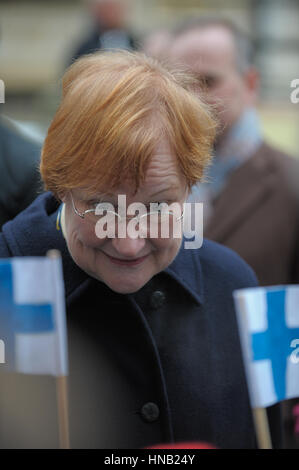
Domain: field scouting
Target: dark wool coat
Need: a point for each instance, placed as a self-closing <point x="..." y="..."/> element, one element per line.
<point x="19" y="176"/>
<point x="257" y="215"/>
<point x="161" y="365"/>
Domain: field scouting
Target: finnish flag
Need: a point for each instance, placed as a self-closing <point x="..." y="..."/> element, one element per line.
<point x="32" y="316"/>
<point x="268" y="320"/>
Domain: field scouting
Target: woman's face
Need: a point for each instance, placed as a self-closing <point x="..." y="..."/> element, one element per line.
<point x="127" y="264"/>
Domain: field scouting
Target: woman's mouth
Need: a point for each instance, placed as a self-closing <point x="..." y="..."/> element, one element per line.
<point x="127" y="262"/>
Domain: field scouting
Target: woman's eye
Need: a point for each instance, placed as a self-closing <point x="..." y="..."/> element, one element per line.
<point x="156" y="206"/>
<point x="92" y="205"/>
<point x="103" y="204"/>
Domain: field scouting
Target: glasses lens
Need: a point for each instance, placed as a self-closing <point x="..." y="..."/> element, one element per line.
<point x="160" y="224"/>
<point x="157" y="223"/>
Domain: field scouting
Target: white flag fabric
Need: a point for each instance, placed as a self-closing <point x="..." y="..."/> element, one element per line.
<point x="268" y="320"/>
<point x="32" y="316"/>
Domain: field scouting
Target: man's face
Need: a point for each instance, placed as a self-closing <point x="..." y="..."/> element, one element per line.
<point x="210" y="54"/>
<point x="127" y="264"/>
<point x="110" y="14"/>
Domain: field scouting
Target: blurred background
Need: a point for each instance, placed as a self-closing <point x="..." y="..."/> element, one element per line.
<point x="38" y="39"/>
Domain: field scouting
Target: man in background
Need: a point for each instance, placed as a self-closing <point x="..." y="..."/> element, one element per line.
<point x="250" y="203"/>
<point x="109" y="28"/>
<point x="19" y="176"/>
<point x="250" y="195"/>
<point x="19" y="162"/>
<point x="156" y="44"/>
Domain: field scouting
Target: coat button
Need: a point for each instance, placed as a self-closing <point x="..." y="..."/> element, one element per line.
<point x="150" y="412"/>
<point x="157" y="299"/>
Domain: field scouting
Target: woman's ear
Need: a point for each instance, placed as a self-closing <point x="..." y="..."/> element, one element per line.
<point x="61" y="195"/>
<point x="187" y="192"/>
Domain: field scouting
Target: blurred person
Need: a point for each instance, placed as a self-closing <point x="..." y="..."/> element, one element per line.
<point x="109" y="27"/>
<point x="251" y="204"/>
<point x="251" y="196"/>
<point x="19" y="161"/>
<point x="157" y="43"/>
<point x="154" y="310"/>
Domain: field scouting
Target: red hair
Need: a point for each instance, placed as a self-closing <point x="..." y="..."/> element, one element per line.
<point x="116" y="107"/>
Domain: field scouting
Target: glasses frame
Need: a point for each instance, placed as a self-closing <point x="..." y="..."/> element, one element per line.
<point x="138" y="217"/>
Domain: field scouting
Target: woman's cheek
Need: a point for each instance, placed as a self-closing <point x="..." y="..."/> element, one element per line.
<point x="85" y="233"/>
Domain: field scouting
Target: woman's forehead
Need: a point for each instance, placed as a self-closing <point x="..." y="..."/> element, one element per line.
<point x="165" y="186"/>
<point x="162" y="175"/>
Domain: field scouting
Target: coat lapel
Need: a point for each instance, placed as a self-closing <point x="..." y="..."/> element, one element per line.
<point x="248" y="186"/>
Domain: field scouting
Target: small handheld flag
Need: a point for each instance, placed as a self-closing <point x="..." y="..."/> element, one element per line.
<point x="268" y="320"/>
<point x="33" y="324"/>
<point x="32" y="316"/>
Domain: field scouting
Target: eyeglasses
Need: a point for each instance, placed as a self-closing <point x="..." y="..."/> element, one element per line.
<point x="158" y="218"/>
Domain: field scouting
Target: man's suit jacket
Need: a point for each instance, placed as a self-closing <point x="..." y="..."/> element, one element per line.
<point x="256" y="215"/>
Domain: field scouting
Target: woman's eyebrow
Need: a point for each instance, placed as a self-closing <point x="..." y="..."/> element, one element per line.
<point x="101" y="196"/>
<point x="173" y="188"/>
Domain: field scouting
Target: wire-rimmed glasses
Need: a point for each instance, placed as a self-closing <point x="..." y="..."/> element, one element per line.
<point x="161" y="218"/>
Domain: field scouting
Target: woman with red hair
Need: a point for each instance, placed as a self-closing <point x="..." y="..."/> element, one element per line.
<point x="159" y="357"/>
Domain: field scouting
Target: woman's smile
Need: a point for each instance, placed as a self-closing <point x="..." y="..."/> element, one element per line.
<point x="127" y="262"/>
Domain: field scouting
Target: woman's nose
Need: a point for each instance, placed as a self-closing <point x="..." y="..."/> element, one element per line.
<point x="129" y="247"/>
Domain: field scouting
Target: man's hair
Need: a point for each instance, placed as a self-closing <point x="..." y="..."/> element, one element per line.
<point x="244" y="45"/>
<point x="115" y="109"/>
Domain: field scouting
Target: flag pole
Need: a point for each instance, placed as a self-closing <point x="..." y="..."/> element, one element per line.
<point x="262" y="428"/>
<point x="61" y="393"/>
<point x="62" y="403"/>
<point x="260" y="417"/>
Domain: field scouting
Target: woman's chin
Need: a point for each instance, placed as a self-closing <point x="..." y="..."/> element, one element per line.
<point x="125" y="285"/>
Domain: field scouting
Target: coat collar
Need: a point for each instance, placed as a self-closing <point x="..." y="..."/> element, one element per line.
<point x="186" y="271"/>
<point x="248" y="186"/>
<point x="34" y="232"/>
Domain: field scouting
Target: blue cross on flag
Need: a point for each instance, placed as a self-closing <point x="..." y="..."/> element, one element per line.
<point x="268" y="320"/>
<point x="32" y="316"/>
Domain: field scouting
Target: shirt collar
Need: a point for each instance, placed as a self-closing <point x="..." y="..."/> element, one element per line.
<point x="60" y="219"/>
<point x="236" y="147"/>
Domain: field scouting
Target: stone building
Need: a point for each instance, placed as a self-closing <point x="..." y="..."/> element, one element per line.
<point x="37" y="39"/>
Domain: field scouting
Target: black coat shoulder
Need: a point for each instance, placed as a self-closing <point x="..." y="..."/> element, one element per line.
<point x="19" y="175"/>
